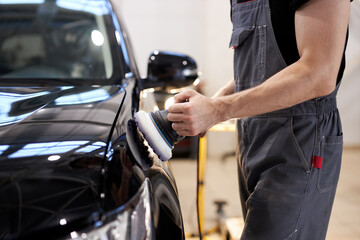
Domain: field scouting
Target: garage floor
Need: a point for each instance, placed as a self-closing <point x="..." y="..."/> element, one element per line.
<point x="221" y="184"/>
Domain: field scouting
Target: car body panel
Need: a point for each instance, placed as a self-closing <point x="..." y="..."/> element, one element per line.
<point x="71" y="156"/>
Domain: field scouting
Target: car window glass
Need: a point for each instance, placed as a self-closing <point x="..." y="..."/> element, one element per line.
<point x="54" y="39"/>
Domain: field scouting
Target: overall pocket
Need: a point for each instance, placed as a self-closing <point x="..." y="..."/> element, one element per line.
<point x="331" y="151"/>
<point x="273" y="158"/>
<point x="239" y="35"/>
<point x="249" y="43"/>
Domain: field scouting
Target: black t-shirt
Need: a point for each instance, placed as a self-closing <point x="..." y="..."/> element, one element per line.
<point x="283" y="22"/>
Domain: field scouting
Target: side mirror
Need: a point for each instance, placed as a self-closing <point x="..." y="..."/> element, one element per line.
<point x="170" y="70"/>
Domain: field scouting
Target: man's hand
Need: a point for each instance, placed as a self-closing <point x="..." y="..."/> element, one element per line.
<point x="192" y="113"/>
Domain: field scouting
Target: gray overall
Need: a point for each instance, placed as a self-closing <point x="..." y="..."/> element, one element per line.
<point x="289" y="160"/>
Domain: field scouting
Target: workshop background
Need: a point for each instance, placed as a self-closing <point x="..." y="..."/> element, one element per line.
<point x="202" y="29"/>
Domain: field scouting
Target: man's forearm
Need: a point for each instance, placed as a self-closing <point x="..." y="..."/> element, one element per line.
<point x="226" y="90"/>
<point x="293" y="85"/>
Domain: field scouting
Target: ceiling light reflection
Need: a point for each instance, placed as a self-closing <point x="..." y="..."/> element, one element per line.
<point x="54" y="158"/>
<point x="3" y="148"/>
<point x="196" y="82"/>
<point x="73" y="235"/>
<point x="63" y="222"/>
<point x="117" y="35"/>
<point x="83" y="97"/>
<point x="97" y="38"/>
<point x="95" y="7"/>
<point x="49" y="148"/>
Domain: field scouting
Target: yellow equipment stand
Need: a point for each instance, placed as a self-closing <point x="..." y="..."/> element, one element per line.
<point x="222" y="127"/>
<point x="200" y="186"/>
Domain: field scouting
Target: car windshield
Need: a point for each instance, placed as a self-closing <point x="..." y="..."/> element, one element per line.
<point x="58" y="39"/>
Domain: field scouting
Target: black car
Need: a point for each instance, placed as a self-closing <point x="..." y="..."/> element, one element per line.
<point x="73" y="164"/>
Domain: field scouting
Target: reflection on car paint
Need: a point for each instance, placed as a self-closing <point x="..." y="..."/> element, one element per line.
<point x="131" y="221"/>
<point x="90" y="96"/>
<point x="8" y="101"/>
<point x="94" y="7"/>
<point x="49" y="148"/>
<point x="91" y="148"/>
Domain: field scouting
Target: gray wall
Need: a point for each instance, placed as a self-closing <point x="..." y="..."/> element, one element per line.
<point x="349" y="93"/>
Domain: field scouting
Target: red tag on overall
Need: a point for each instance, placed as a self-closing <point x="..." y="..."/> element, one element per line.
<point x="317" y="162"/>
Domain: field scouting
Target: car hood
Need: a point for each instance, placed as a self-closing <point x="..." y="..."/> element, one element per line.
<point x="52" y="145"/>
<point x="54" y="117"/>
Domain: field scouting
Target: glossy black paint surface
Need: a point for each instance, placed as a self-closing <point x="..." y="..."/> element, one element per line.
<point x="38" y="192"/>
<point x="71" y="155"/>
<point x="169" y="69"/>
